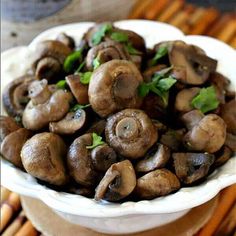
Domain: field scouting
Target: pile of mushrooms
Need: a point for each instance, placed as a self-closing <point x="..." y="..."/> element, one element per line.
<point x="110" y="119"/>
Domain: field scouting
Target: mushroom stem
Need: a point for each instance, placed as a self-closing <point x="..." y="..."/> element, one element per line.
<point x="39" y="92"/>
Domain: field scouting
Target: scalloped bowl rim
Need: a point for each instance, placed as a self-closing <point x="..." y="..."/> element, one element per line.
<point x="185" y="198"/>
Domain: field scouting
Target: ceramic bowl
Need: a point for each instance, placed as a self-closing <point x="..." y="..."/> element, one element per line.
<point x="128" y="217"/>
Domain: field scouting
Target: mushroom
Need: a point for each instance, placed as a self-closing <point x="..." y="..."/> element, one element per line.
<point x="15" y="95"/>
<point x="114" y="86"/>
<point x="79" y="90"/>
<point x="222" y="156"/>
<point x="104" y="52"/>
<point x="156" y="183"/>
<point x="81" y="190"/>
<point x="43" y="157"/>
<point x="70" y="124"/>
<point x="118" y="182"/>
<point x="103" y="157"/>
<point x="148" y="73"/>
<point x="208" y="135"/>
<point x="155" y="158"/>
<point x="12" y="145"/>
<point x="230" y="141"/>
<point x="97" y="127"/>
<point x="7" y="126"/>
<point x="159" y="126"/>
<point x="190" y="167"/>
<point x="50" y="56"/>
<point x="192" y="118"/>
<point x="173" y="138"/>
<point x="184" y="98"/>
<point x="131" y="133"/>
<point x="45" y="107"/>
<point x="228" y="114"/>
<point x="197" y="64"/>
<point x="67" y="40"/>
<point x="79" y="161"/>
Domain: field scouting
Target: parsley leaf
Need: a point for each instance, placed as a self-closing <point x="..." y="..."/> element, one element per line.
<point x="85" y="77"/>
<point x="166" y="83"/>
<point x="206" y="100"/>
<point x="119" y="37"/>
<point x="79" y="106"/>
<point x="131" y="50"/>
<point x="71" y="61"/>
<point x="98" y="35"/>
<point x="161" y="52"/>
<point x="61" y="84"/>
<point x="96" y="63"/>
<point x="97" y="141"/>
<point x="80" y="67"/>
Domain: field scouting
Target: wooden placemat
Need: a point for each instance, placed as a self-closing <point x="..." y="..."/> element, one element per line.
<point x="191" y="19"/>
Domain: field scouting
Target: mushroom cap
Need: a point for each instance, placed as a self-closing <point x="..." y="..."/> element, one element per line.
<point x="228" y="114"/>
<point x="184" y="98"/>
<point x="156" y="183"/>
<point x="130" y="133"/>
<point x="118" y="182"/>
<point x="106" y="51"/>
<point x="7" y="126"/>
<point x="197" y="64"/>
<point x="12" y="145"/>
<point x="97" y="127"/>
<point x="156" y="157"/>
<point x="190" y="167"/>
<point x="79" y="161"/>
<point x="15" y="95"/>
<point x="43" y="157"/>
<point x="230" y="141"/>
<point x="222" y="156"/>
<point x="103" y="157"/>
<point x="36" y="117"/>
<point x="67" y="40"/>
<point x="114" y="86"/>
<point x="70" y="124"/>
<point x="79" y="90"/>
<point x="192" y="118"/>
<point x="208" y="135"/>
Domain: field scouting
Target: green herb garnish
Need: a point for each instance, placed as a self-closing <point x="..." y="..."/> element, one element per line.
<point x="161" y="52"/>
<point x="71" y="61"/>
<point x="97" y="36"/>
<point x="80" y="67"/>
<point x="159" y="85"/>
<point x="119" y="37"/>
<point x="96" y="63"/>
<point x="97" y="141"/>
<point x="85" y="77"/>
<point x="61" y="84"/>
<point x="131" y="50"/>
<point x="79" y="106"/>
<point x="206" y="100"/>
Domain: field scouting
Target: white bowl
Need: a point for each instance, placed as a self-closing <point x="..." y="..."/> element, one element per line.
<point x="128" y="217"/>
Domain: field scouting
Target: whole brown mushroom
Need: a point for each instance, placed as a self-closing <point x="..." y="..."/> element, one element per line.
<point x="67" y="40"/>
<point x="114" y="86"/>
<point x="118" y="182"/>
<point x="222" y="156"/>
<point x="156" y="183"/>
<point x="43" y="157"/>
<point x="15" y="95"/>
<point x="208" y="135"/>
<point x="12" y="145"/>
<point x="131" y="133"/>
<point x="45" y="106"/>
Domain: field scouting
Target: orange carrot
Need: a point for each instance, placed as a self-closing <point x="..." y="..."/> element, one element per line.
<point x="139" y="9"/>
<point x="228" y="31"/>
<point x="27" y="229"/>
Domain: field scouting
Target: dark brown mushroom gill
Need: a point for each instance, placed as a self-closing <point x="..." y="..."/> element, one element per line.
<point x="15" y="95"/>
<point x="114" y="86"/>
<point x="106" y="51"/>
<point x="131" y="133"/>
<point x="45" y="107"/>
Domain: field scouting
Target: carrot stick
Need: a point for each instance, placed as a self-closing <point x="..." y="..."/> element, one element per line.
<point x="227" y="198"/>
<point x="4" y="194"/>
<point x="208" y="18"/>
<point x="228" y="225"/>
<point x="139" y="9"/>
<point x="27" y="229"/>
<point x="220" y="24"/>
<point x="155" y="9"/>
<point x="11" y="205"/>
<point x="233" y="42"/>
<point x="171" y="10"/>
<point x="15" y="225"/>
<point x="228" y="31"/>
